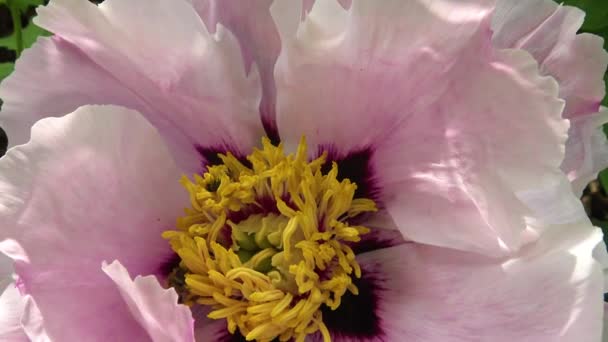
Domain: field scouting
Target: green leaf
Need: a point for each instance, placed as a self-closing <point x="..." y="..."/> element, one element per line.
<point x="23" y="5"/>
<point x="30" y="34"/>
<point x="602" y="224"/>
<point x="5" y="69"/>
<point x="603" y="178"/>
<point x="596" y="12"/>
<point x="17" y="19"/>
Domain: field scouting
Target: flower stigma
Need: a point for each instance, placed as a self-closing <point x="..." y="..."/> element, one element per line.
<point x="265" y="243"/>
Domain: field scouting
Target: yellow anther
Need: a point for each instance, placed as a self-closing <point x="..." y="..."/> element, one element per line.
<point x="261" y="332"/>
<point x="262" y="308"/>
<point x="323" y="329"/>
<point x="290" y="315"/>
<point x="267" y="296"/>
<point x="261" y="261"/>
<point x="281" y="305"/>
<point x="264" y="243"/>
<point x="227" y="311"/>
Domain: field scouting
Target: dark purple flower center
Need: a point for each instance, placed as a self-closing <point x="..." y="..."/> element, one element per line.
<point x="356" y="166"/>
<point x="211" y="155"/>
<point x="357" y="318"/>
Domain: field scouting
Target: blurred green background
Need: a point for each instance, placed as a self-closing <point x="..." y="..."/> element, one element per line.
<point x="17" y="32"/>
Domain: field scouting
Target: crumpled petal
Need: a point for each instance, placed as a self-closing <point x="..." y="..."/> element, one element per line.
<point x="586" y="149"/>
<point x="551" y="291"/>
<point x="11" y="304"/>
<point x="438" y="106"/>
<point x="577" y="61"/>
<point x="155" y="308"/>
<point x="20" y="319"/>
<point x="11" y="309"/>
<point x="94" y="185"/>
<point x="163" y="65"/>
<point x="32" y="321"/>
<point x="549" y="32"/>
<point x="355" y="47"/>
<point x="252" y="25"/>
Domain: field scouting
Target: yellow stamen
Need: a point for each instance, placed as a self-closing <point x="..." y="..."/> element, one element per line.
<point x="268" y="269"/>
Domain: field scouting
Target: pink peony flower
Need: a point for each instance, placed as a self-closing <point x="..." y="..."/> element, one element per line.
<point x="425" y="187"/>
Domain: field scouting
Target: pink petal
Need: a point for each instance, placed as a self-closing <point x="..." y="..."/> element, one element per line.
<point x="586" y="149"/>
<point x="438" y="107"/>
<point x="358" y="48"/>
<point x="383" y="233"/>
<point x="11" y="309"/>
<point x="28" y="96"/>
<point x="252" y="25"/>
<point x="97" y="184"/>
<point x="552" y="202"/>
<point x="32" y="321"/>
<point x="600" y="253"/>
<point x="548" y="31"/>
<point x="20" y="319"/>
<point x="155" y="308"/>
<point x="577" y="61"/>
<point x="550" y="292"/>
<point x="166" y="60"/>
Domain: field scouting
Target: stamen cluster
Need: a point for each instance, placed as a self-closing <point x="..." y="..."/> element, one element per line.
<point x="265" y="243"/>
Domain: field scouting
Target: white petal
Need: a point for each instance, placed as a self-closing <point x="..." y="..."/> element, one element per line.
<point x="156" y="309"/>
